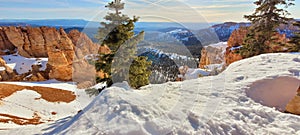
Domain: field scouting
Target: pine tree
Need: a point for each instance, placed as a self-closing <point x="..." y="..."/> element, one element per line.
<point x="265" y="21"/>
<point x="124" y="57"/>
<point x="118" y="28"/>
<point x="252" y="45"/>
<point x="295" y="40"/>
<point x="117" y="33"/>
<point x="139" y="72"/>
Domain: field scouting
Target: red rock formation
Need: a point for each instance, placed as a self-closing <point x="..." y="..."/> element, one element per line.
<point x="235" y="40"/>
<point x="5" y="44"/>
<point x="34" y="42"/>
<point x="84" y="45"/>
<point x="294" y="105"/>
<point x="66" y="52"/>
<point x="83" y="72"/>
<point x="231" y="56"/>
<point x="237" y="37"/>
<point x="211" y="55"/>
<point x="6" y="73"/>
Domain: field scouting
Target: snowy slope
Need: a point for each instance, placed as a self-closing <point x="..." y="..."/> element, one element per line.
<point x="26" y="102"/>
<point x="208" y="105"/>
<point x="22" y="64"/>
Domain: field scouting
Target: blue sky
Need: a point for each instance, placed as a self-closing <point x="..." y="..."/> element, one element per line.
<point x="148" y="10"/>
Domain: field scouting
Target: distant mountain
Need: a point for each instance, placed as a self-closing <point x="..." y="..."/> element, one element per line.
<point x="16" y="24"/>
<point x="53" y="22"/>
<point x="224" y="30"/>
<point x="216" y="33"/>
<point x="198" y="34"/>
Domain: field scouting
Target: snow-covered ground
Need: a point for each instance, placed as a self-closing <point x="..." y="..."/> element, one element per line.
<point x="193" y="73"/>
<point x="209" y="105"/>
<point x="22" y="64"/>
<point x="27" y="102"/>
<point x="214" y="105"/>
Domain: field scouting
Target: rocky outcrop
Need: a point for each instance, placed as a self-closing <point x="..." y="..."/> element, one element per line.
<point x="234" y="42"/>
<point x="294" y="105"/>
<point x="35" y="42"/>
<point x="213" y="54"/>
<point x="6" y="73"/>
<point x="84" y="73"/>
<point x="237" y="37"/>
<point x="231" y="56"/>
<point x="66" y="52"/>
<point x="30" y="42"/>
<point x="60" y="65"/>
<point x="5" y="43"/>
<point x="35" y="75"/>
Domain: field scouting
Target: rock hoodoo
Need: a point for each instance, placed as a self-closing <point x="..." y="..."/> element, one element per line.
<point x="212" y="54"/>
<point x="234" y="42"/>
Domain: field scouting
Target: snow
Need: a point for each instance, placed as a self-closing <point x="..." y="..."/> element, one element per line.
<point x="172" y="56"/>
<point x="274" y="92"/>
<point x="213" y="67"/>
<point x="22" y="64"/>
<point x="177" y="31"/>
<point x="235" y="48"/>
<point x="24" y="104"/>
<point x="194" y="74"/>
<point x="2" y="68"/>
<point x="99" y="85"/>
<point x="208" y="105"/>
<point x="221" y="45"/>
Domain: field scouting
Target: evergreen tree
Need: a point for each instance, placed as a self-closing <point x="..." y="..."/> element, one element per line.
<point x="252" y="45"/>
<point x="118" y="28"/>
<point x="265" y="21"/>
<point x="139" y="72"/>
<point x="124" y="57"/>
<point x="295" y="40"/>
<point x="267" y="16"/>
<point x="117" y="33"/>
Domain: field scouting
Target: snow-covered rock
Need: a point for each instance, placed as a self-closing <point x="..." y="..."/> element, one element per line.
<point x="208" y="105"/>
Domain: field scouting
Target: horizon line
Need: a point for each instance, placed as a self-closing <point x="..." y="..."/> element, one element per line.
<point x="52" y="19"/>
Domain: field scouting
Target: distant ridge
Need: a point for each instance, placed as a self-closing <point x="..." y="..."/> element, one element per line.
<point x="222" y="30"/>
<point x="67" y="23"/>
<point x="49" y="22"/>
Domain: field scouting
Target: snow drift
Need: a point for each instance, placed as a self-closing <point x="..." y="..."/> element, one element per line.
<point x="274" y="92"/>
<point x="214" y="105"/>
<point x="208" y="105"/>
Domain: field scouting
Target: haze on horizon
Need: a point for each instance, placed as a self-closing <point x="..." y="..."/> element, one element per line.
<point x="148" y="10"/>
